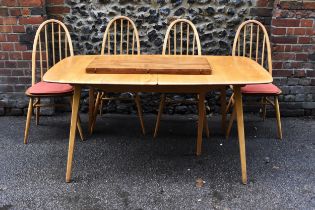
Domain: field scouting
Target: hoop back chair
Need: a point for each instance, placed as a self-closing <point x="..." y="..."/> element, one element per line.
<point x="252" y="41"/>
<point x="52" y="43"/>
<point x="121" y="37"/>
<point x="181" y="39"/>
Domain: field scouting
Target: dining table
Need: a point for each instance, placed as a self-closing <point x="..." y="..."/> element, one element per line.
<point x="237" y="71"/>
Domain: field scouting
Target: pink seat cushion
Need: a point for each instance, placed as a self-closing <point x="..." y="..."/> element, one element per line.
<point x="261" y="89"/>
<point x="46" y="88"/>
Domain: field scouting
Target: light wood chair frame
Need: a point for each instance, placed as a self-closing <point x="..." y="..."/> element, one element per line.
<point x="34" y="101"/>
<point x="167" y="45"/>
<point x="237" y="48"/>
<point x="101" y="95"/>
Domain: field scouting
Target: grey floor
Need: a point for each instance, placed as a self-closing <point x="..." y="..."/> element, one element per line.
<point x="118" y="168"/>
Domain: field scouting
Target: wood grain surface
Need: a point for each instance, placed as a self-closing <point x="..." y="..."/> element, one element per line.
<point x="147" y="64"/>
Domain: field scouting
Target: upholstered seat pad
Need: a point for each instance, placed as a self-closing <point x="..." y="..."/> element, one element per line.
<point x="46" y="88"/>
<point x="261" y="89"/>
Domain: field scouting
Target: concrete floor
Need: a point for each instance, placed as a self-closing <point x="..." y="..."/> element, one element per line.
<point x="117" y="168"/>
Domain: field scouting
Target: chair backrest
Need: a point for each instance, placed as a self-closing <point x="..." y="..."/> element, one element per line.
<point x="252" y="40"/>
<point x="119" y="29"/>
<point x="52" y="43"/>
<point x="184" y="33"/>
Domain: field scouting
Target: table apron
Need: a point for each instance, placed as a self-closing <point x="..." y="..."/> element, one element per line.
<point x="159" y="88"/>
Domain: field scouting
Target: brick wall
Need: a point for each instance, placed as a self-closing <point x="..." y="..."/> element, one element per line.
<point x="293" y="38"/>
<point x="18" y="21"/>
<point x="290" y="23"/>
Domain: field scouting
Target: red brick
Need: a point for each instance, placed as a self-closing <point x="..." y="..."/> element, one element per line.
<point x="58" y="10"/>
<point x="299" y="31"/>
<point x="3" y="38"/>
<point x="19" y="47"/>
<point x="12" y="38"/>
<point x="284" y="39"/>
<point x="9" y="3"/>
<point x="8" y="21"/>
<point x="24" y="64"/>
<point x="287" y="48"/>
<point x="282" y="73"/>
<point x="15" y="12"/>
<point x="55" y="2"/>
<point x="309" y="5"/>
<point x="15" y="56"/>
<point x="301" y="57"/>
<point x="4" y="55"/>
<point x="5" y="72"/>
<point x="27" y="55"/>
<point x="30" y="3"/>
<point x="17" y="72"/>
<point x="310" y="73"/>
<point x="259" y="3"/>
<point x="4" y="12"/>
<point x="295" y="65"/>
<point x="5" y="29"/>
<point x="278" y="48"/>
<point x="310" y="31"/>
<point x="286" y="22"/>
<point x="296" y="48"/>
<point x="277" y="65"/>
<point x="304" y="40"/>
<point x="290" y="31"/>
<point x="31" y="20"/>
<point x="283" y="56"/>
<point x="7" y="46"/>
<point x="18" y="29"/>
<point x="279" y="31"/>
<point x="10" y="64"/>
<point x="306" y="23"/>
<point x="299" y="73"/>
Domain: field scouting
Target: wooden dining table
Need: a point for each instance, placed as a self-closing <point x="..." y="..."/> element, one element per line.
<point x="225" y="70"/>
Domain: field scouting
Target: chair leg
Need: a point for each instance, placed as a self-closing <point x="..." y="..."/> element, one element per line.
<point x="230" y="104"/>
<point x="101" y="105"/>
<point x="37" y="111"/>
<point x="161" y="108"/>
<point x="91" y="106"/>
<point x="28" y="120"/>
<point x="232" y="118"/>
<point x="97" y="102"/>
<point x="205" y="125"/>
<point x="264" y="105"/>
<point x="139" y="108"/>
<point x="223" y="109"/>
<point x="80" y="128"/>
<point x="276" y="101"/>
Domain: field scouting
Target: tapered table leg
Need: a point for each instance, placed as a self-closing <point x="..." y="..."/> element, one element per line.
<point x="91" y="106"/>
<point x="240" y="129"/>
<point x="201" y="110"/>
<point x="74" y="119"/>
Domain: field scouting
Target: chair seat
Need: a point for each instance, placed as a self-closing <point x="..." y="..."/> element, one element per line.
<point x="261" y="89"/>
<point x="46" y="88"/>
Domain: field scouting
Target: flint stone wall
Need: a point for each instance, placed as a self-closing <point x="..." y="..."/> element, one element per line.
<point x="216" y="22"/>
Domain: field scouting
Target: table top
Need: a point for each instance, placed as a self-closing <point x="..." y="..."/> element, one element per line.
<point x="226" y="70"/>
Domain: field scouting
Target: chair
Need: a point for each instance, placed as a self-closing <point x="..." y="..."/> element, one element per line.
<point x="256" y="47"/>
<point x="187" y="32"/>
<point x="129" y="44"/>
<point x="55" y="36"/>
